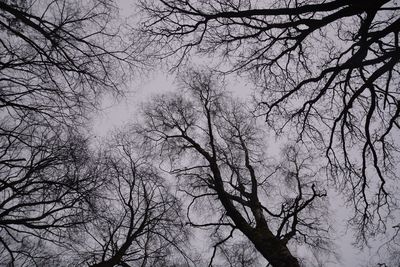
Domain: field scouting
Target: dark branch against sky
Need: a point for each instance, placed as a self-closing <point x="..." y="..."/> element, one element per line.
<point x="307" y="143"/>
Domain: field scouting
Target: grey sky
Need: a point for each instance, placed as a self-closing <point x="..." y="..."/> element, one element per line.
<point x="115" y="114"/>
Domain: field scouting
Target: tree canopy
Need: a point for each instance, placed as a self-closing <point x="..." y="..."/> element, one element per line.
<point x="214" y="147"/>
<point x="327" y="71"/>
<point x="200" y="177"/>
<point x="56" y="59"/>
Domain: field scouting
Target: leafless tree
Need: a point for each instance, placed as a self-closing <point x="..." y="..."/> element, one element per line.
<point x="60" y="205"/>
<point x="212" y="143"/>
<point x="56" y="58"/>
<point x="138" y="222"/>
<point x="328" y="69"/>
<point x="46" y="190"/>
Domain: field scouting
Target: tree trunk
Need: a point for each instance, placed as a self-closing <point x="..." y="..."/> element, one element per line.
<point x="273" y="249"/>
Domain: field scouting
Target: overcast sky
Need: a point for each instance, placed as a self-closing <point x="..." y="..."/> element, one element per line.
<point x="116" y="113"/>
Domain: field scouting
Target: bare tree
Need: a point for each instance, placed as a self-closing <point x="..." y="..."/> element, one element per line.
<point x="56" y="58"/>
<point x="46" y="190"/>
<point x="138" y="222"/>
<point x="212" y="143"/>
<point x="329" y="69"/>
<point x="60" y="205"/>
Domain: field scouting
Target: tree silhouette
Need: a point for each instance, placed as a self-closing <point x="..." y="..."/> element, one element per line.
<point x="46" y="190"/>
<point x="327" y="70"/>
<point x="137" y="222"/>
<point x="56" y="59"/>
<point x="213" y="145"/>
<point x="57" y="56"/>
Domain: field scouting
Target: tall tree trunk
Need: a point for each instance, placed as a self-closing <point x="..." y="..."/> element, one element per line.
<point x="271" y="247"/>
